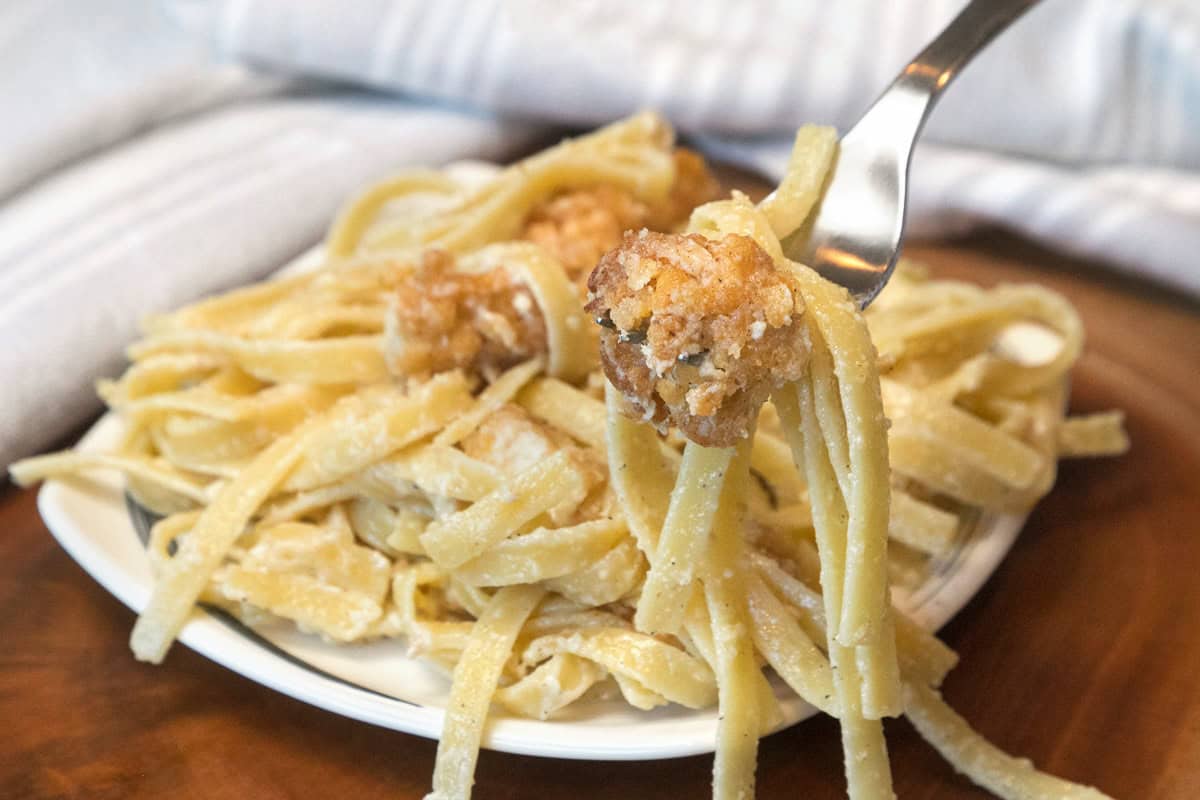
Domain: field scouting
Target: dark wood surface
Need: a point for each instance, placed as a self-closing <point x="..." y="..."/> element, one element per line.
<point x="1082" y="652"/>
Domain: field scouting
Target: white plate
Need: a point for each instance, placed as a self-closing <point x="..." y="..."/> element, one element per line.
<point x="378" y="683"/>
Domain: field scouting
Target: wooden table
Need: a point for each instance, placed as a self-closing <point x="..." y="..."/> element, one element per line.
<point x="1083" y="652"/>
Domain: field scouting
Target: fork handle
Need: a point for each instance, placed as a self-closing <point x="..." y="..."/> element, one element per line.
<point x="940" y="62"/>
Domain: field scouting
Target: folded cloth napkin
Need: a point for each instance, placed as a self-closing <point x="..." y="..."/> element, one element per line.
<point x="1078" y="127"/>
<point x="77" y="77"/>
<point x="228" y="149"/>
<point x="1081" y="81"/>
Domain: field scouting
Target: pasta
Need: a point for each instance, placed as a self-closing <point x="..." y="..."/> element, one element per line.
<point x="417" y="439"/>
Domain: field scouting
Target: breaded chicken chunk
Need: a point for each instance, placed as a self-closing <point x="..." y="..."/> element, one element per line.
<point x="581" y="225"/>
<point x="699" y="331"/>
<point x="513" y="441"/>
<point x="486" y="322"/>
<point x="444" y="319"/>
<point x="694" y="186"/>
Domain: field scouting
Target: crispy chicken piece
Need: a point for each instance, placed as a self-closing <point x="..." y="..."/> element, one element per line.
<point x="701" y="330"/>
<point x="487" y="322"/>
<point x="513" y="441"/>
<point x="581" y="225"/>
<point x="694" y="185"/>
<point x="444" y="319"/>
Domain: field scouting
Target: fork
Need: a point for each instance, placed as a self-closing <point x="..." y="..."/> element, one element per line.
<point x="855" y="236"/>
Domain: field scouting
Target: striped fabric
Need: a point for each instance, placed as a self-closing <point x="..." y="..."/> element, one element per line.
<point x="156" y="150"/>
<point x="1080" y="127"/>
<point x="1078" y="81"/>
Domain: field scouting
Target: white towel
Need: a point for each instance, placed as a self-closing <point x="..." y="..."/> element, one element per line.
<point x="1081" y="127"/>
<point x="76" y="77"/>
<point x="1083" y="81"/>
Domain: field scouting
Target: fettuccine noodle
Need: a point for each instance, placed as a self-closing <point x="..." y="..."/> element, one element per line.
<point x="416" y="440"/>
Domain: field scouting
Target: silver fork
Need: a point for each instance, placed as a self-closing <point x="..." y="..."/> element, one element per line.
<point x="855" y="237"/>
